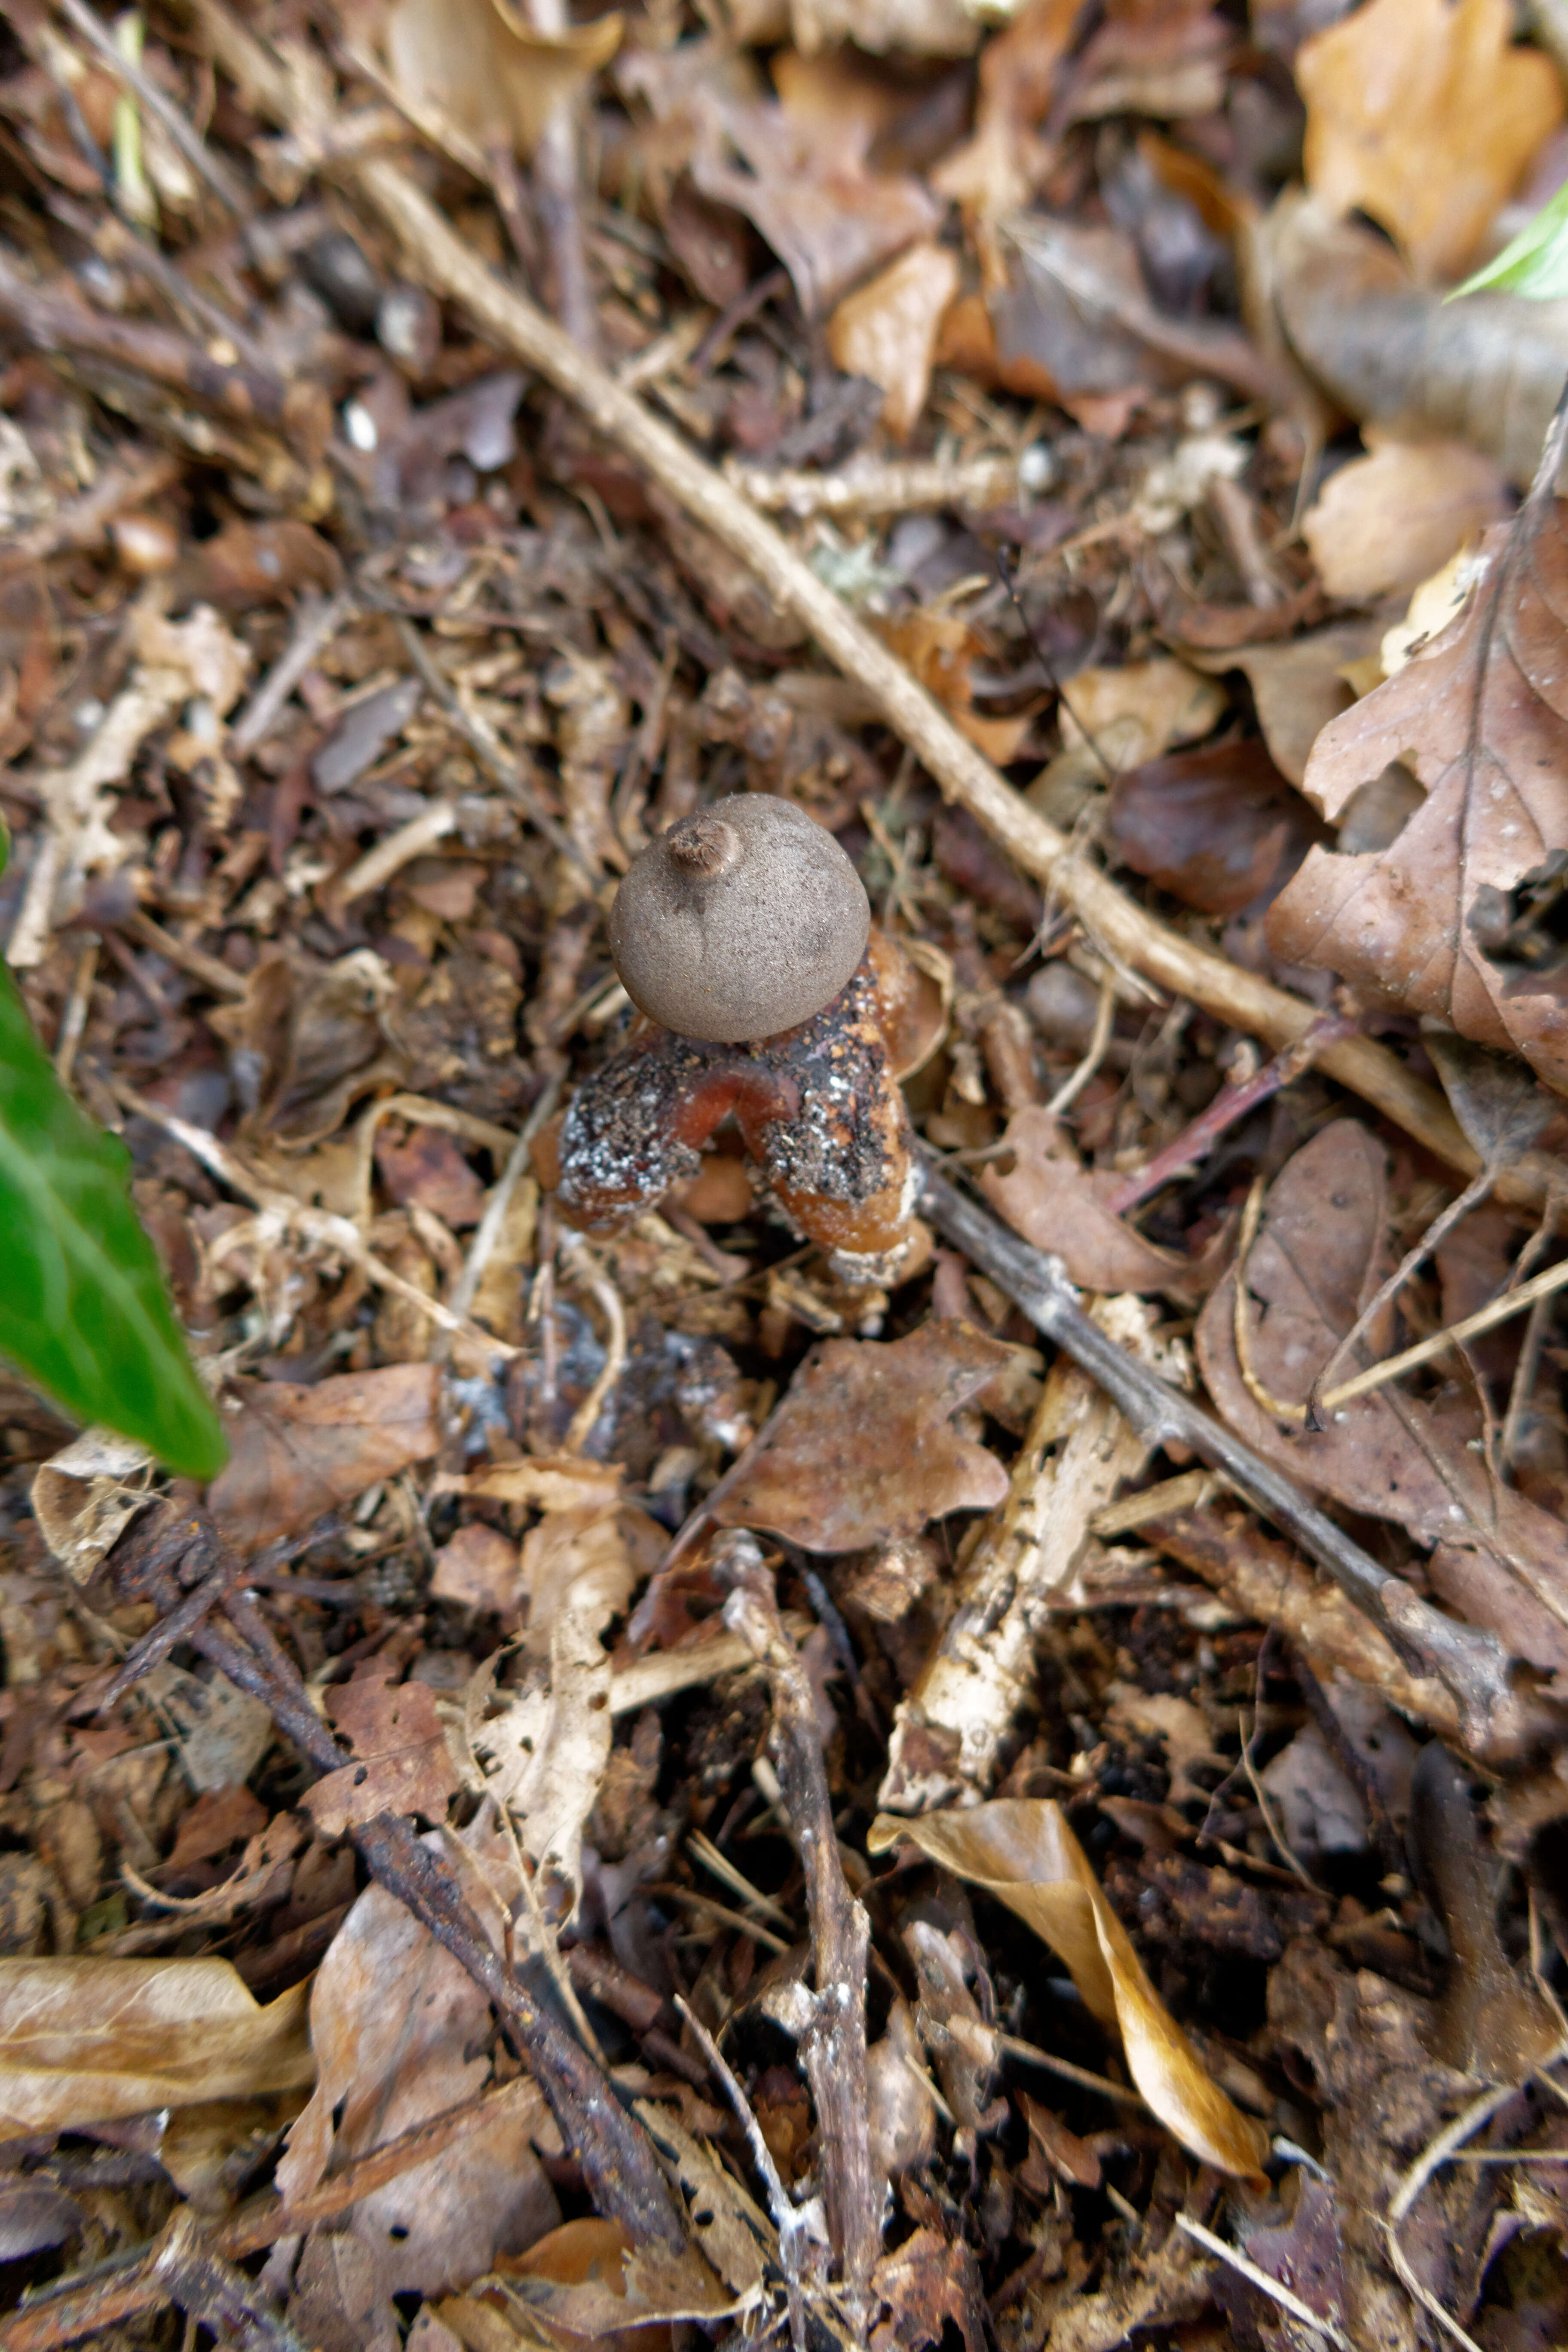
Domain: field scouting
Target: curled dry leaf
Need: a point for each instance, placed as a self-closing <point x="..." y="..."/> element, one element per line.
<point x="298" y="1452"/>
<point x="1386" y="521"/>
<point x="399" y="2029"/>
<point x="544" y="1753"/>
<point x="85" y="1497"/>
<point x="1423" y="114"/>
<point x="1442" y="921"/>
<point x="1320" y="1254"/>
<point x="85" y="2041"/>
<point x="483" y="64"/>
<point x="1486" y="371"/>
<point x="586" y="2280"/>
<point x="1056" y="1203"/>
<point x="401" y="1764"/>
<point x="862" y="1450"/>
<point x="307" y="1040"/>
<point x="1022" y="1852"/>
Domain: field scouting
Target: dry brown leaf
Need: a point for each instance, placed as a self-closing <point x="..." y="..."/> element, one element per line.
<point x="1022" y="1852"/>
<point x="559" y="1481"/>
<point x="863" y="1448"/>
<point x="1385" y="522"/>
<point x="887" y="330"/>
<point x="1441" y="920"/>
<point x="1139" y="711"/>
<point x="1486" y="371"/>
<point x="1217" y="828"/>
<point x="1056" y="1202"/>
<point x="941" y="649"/>
<point x="1320" y="1254"/>
<point x="1423" y="114"/>
<point x="479" y="1569"/>
<point x="399" y="2028"/>
<point x="485" y="66"/>
<point x="1298" y="686"/>
<point x="546" y="1750"/>
<point x="1000" y="168"/>
<point x="803" y="180"/>
<point x="85" y="1497"/>
<point x="586" y="2280"/>
<point x="298" y="1452"/>
<point x="401" y="1765"/>
<point x="89" y="2040"/>
<point x="308" y="1039"/>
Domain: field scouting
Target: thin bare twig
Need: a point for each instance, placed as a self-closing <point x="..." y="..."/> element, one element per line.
<point x="161" y="109"/>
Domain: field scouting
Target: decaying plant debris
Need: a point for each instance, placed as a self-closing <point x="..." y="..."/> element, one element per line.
<point x="897" y="1683"/>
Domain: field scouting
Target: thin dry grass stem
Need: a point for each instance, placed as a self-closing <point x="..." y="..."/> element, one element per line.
<point x="1100" y="1038"/>
<point x="1031" y="2055"/>
<point x="1248" y="1727"/>
<point x="316" y="625"/>
<point x="161" y="109"/>
<point x="217" y="978"/>
<point x="690" y="1900"/>
<point x="1288" y="2300"/>
<point x="391" y="854"/>
<point x="1437" y="2153"/>
<point x="705" y="1851"/>
<point x="79" y="1003"/>
<point x="437" y="258"/>
<point x="1474" y="1194"/>
<point x="1470" y="1326"/>
<point x="488" y="1230"/>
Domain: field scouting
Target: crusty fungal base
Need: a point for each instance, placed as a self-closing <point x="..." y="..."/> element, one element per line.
<point x="818" y="1109"/>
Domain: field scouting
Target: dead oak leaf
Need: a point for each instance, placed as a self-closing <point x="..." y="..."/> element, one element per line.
<point x="923" y="2284"/>
<point x="402" y="1763"/>
<point x="1443" y="919"/>
<point x="863" y="1449"/>
<point x="1424" y="114"/>
<point x="296" y="1452"/>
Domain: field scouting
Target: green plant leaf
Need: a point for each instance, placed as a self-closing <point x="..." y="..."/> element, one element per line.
<point x="83" y="1311"/>
<point x="1535" y="263"/>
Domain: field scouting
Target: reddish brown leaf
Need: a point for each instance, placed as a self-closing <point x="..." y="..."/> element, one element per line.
<point x="402" y="1763"/>
<point x="298" y="1452"/>
<point x="426" y="1167"/>
<point x="863" y="1449"/>
<point x="1444" y="920"/>
<point x="1056" y="1203"/>
<point x="1217" y="828"/>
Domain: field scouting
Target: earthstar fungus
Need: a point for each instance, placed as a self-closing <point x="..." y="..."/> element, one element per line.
<point x="743" y="936"/>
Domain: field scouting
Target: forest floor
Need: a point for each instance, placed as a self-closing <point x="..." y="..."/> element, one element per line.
<point x="680" y="1781"/>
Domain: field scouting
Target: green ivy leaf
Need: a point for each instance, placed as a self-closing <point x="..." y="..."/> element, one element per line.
<point x="1535" y="263"/>
<point x="83" y="1310"/>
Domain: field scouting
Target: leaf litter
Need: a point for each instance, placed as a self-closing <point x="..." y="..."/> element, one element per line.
<point x="570" y="1834"/>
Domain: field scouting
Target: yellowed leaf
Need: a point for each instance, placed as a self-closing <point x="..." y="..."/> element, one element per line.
<point x="1424" y="114"/>
<point x="1136" y="712"/>
<point x="1022" y="1852"/>
<point x="86" y="2040"/>
<point x="1388" y="520"/>
<point x="887" y="330"/>
<point x="487" y="70"/>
